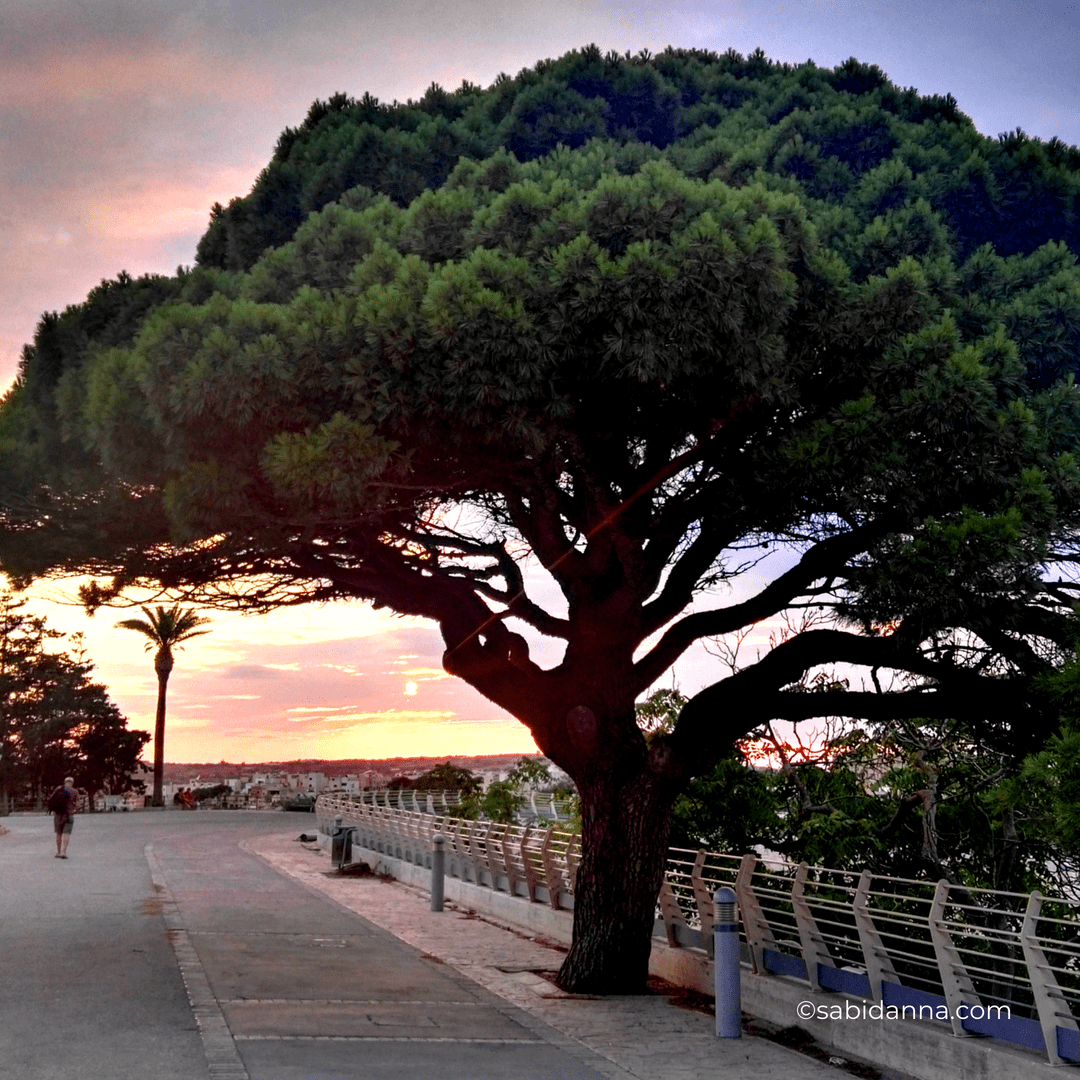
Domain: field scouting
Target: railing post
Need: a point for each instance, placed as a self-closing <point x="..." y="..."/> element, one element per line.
<point x="572" y="857"/>
<point x="875" y="956"/>
<point x="489" y="854"/>
<point x="726" y="973"/>
<point x="759" y="935"/>
<point x="508" y="861"/>
<point x="1044" y="986"/>
<point x="438" y="871"/>
<point x="671" y="913"/>
<point x="703" y="899"/>
<point x="955" y="981"/>
<point x="460" y="840"/>
<point x="814" y="949"/>
<point x="527" y="865"/>
<point x="475" y="861"/>
<point x="552" y="877"/>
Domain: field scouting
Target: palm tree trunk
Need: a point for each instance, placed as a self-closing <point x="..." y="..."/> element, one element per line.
<point x="159" y="741"/>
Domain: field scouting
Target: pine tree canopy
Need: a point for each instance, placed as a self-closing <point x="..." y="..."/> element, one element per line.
<point x="634" y="316"/>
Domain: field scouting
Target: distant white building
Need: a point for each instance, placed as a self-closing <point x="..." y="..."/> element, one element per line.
<point x="311" y="782"/>
<point x="559" y="777"/>
<point x="349" y="784"/>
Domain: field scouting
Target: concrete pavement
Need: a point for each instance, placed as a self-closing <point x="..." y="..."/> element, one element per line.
<point x="308" y="990"/>
<point x="645" y="1037"/>
<point x="214" y="945"/>
<point x="88" y="981"/>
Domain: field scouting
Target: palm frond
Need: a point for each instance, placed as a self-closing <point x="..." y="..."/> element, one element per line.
<point x="167" y="627"/>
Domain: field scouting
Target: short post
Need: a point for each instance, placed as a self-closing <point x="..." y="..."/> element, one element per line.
<point x="438" y="870"/>
<point x="726" y="966"/>
<point x="340" y="844"/>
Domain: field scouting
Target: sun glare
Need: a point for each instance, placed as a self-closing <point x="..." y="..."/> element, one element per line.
<point x="410" y="689"/>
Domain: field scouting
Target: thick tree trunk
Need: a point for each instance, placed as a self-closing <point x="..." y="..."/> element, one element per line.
<point x="159" y="741"/>
<point x="625" y="826"/>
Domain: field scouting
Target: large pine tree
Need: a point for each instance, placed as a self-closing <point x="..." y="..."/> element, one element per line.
<point x="640" y="322"/>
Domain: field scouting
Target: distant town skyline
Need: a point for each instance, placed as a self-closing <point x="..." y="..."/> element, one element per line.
<point x="122" y="122"/>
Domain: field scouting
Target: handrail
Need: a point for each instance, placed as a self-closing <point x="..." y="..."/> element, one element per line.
<point x="897" y="941"/>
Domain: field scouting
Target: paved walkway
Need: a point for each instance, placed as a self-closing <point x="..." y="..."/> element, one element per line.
<point x="89" y="986"/>
<point x="214" y="945"/>
<point x="288" y="985"/>
<point x="645" y="1037"/>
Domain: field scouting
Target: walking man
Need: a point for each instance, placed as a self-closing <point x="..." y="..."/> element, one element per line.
<point x="63" y="802"/>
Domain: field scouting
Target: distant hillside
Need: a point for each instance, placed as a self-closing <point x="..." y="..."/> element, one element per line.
<point x="388" y="767"/>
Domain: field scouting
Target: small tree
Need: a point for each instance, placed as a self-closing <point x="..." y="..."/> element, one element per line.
<point x="444" y="777"/>
<point x="54" y="719"/>
<point x="165" y="628"/>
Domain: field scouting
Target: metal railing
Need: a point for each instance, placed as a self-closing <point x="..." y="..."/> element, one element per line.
<point x="981" y="961"/>
<point x="538" y="805"/>
<point x="534" y="861"/>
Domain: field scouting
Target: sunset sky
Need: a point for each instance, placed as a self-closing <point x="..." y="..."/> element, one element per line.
<point x="123" y="121"/>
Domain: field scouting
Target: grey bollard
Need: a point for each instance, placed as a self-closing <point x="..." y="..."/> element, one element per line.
<point x="340" y="844"/>
<point x="438" y="870"/>
<point x="726" y="966"/>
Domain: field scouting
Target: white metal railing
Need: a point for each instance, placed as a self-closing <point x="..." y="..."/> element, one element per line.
<point x="982" y="961"/>
<point x="538" y="805"/>
<point x="537" y="862"/>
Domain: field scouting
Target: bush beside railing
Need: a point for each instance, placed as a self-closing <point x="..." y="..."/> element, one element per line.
<point x="932" y="947"/>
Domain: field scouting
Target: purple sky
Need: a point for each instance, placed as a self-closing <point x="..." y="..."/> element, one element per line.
<point x="122" y="121"/>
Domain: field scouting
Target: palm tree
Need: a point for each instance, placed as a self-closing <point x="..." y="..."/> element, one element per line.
<point x="166" y="628"/>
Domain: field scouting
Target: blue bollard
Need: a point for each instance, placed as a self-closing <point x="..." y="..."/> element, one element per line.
<point x="726" y="966"/>
<point x="438" y="870"/>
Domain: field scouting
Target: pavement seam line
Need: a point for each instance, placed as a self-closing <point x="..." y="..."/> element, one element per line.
<point x="425" y="1004"/>
<point x="389" y="1039"/>
<point x="222" y="1059"/>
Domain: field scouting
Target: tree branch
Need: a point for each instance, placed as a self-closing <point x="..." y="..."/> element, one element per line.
<point x="823" y="560"/>
<point x="730" y="708"/>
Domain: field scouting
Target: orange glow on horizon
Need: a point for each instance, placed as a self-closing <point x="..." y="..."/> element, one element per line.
<point x="391" y="738"/>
